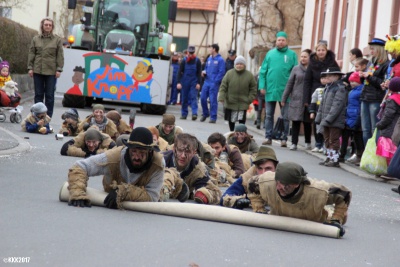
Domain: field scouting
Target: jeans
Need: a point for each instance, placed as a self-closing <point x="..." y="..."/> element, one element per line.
<point x="44" y="89"/>
<point x="269" y="119"/>
<point x="209" y="90"/>
<point x="369" y="110"/>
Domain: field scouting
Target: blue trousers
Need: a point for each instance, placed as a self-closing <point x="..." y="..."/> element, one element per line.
<point x="44" y="90"/>
<point x="369" y="110"/>
<point x="269" y="119"/>
<point x="209" y="90"/>
<point x="189" y="97"/>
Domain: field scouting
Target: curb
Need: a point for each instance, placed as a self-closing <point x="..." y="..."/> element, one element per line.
<point x="23" y="145"/>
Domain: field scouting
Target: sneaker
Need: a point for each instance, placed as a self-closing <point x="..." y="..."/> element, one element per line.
<point x="315" y="149"/>
<point x="184" y="194"/>
<point x="267" y="142"/>
<point x="200" y="198"/>
<point x="194" y="117"/>
<point x="212" y="121"/>
<point x="321" y="150"/>
<point x="293" y="147"/>
<point x="183" y="117"/>
<point x="352" y="159"/>
<point x="332" y="164"/>
<point x="324" y="162"/>
<point x="308" y="146"/>
<point x="203" y="118"/>
<point x="283" y="143"/>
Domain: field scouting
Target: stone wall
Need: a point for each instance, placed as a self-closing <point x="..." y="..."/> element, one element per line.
<point x="25" y="83"/>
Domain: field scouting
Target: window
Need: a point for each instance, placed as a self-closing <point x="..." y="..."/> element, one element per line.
<point x="5" y="12"/>
<point x="181" y="43"/>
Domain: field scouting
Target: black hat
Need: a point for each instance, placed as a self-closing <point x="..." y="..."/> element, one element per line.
<point x="141" y="137"/>
<point x="191" y="49"/>
<point x="377" y="41"/>
<point x="215" y="46"/>
<point x="332" y="70"/>
<point x="232" y="52"/>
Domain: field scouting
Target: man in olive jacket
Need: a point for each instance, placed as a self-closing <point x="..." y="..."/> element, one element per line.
<point x="238" y="89"/>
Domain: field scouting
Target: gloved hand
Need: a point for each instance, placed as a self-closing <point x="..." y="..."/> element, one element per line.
<point x="65" y="133"/>
<point x="241" y="203"/>
<point x="337" y="224"/>
<point x="111" y="199"/>
<point x="80" y="203"/>
<point x="184" y="194"/>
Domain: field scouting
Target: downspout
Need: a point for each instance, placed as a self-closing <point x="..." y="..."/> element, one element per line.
<point x="48" y="8"/>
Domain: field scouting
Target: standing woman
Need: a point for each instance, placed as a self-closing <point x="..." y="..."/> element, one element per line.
<point x="298" y="113"/>
<point x="238" y="89"/>
<point x="320" y="61"/>
<point x="372" y="93"/>
<point x="45" y="63"/>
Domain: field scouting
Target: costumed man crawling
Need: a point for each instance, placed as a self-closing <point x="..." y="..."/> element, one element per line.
<point x="69" y="127"/>
<point x="187" y="173"/>
<point x="89" y="143"/>
<point x="167" y="129"/>
<point x="242" y="140"/>
<point x="37" y="121"/>
<point x="289" y="192"/>
<point x="236" y="195"/>
<point x="134" y="172"/>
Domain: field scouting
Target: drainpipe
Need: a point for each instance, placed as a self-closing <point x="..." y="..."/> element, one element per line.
<point x="48" y="8"/>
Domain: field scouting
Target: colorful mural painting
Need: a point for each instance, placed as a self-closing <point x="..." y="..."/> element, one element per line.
<point x="125" y="78"/>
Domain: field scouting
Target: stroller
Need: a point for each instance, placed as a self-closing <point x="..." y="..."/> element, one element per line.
<point x="11" y="104"/>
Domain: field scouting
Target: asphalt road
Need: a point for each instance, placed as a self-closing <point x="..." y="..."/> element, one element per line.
<point x="34" y="224"/>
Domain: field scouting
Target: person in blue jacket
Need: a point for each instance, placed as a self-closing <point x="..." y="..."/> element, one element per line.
<point x="175" y="68"/>
<point x="188" y="81"/>
<point x="214" y="71"/>
<point x="236" y="195"/>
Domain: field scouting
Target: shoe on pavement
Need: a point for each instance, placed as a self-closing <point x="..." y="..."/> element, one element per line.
<point x="183" y="117"/>
<point x="397" y="190"/>
<point x="321" y="150"/>
<point x="194" y="117"/>
<point x="315" y="149"/>
<point x="212" y="121"/>
<point x="267" y="142"/>
<point x="332" y="163"/>
<point x="324" y="162"/>
<point x="283" y="143"/>
<point x="293" y="147"/>
<point x="203" y="118"/>
<point x="308" y="146"/>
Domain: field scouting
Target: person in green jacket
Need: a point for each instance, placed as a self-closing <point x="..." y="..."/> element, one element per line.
<point x="45" y="63"/>
<point x="274" y="74"/>
<point x="238" y="89"/>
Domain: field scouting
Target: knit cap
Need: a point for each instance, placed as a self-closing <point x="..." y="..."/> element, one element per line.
<point x="241" y="128"/>
<point x="93" y="135"/>
<point x="290" y="173"/>
<point x="168" y="119"/>
<point x="4" y="64"/>
<point x="38" y="108"/>
<point x="265" y="152"/>
<point x="394" y="84"/>
<point x="355" y="77"/>
<point x="72" y="113"/>
<point x="98" y="106"/>
<point x="241" y="60"/>
<point x="281" y="34"/>
<point x="113" y="115"/>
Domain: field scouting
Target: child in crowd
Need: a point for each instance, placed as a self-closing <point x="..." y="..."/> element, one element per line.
<point x="37" y="121"/>
<point x="360" y="64"/>
<point x="4" y="73"/>
<point x="332" y="114"/>
<point x="71" y="122"/>
<point x="316" y="99"/>
<point x="353" y="122"/>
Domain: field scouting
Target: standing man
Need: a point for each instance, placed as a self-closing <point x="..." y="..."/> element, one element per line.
<point x="175" y="67"/>
<point x="213" y="72"/>
<point x="274" y="74"/>
<point x="189" y="80"/>
<point x="230" y="61"/>
<point x="45" y="63"/>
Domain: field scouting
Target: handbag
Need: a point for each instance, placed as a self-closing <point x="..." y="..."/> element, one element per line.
<point x="370" y="161"/>
<point x="279" y="128"/>
<point x="385" y="148"/>
<point x="394" y="167"/>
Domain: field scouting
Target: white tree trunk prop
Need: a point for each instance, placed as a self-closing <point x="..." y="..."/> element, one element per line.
<point x="215" y="213"/>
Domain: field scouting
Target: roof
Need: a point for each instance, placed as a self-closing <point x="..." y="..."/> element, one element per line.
<point x="207" y="5"/>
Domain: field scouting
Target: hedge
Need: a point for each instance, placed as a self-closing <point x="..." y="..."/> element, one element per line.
<point x="15" y="40"/>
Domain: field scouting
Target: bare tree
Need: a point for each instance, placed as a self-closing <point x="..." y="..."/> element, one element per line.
<point x="13" y="3"/>
<point x="69" y="17"/>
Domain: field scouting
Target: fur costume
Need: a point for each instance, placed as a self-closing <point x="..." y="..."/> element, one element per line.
<point x="110" y="129"/>
<point x="77" y="146"/>
<point x="113" y="179"/>
<point x="69" y="128"/>
<point x="30" y="125"/>
<point x="10" y="87"/>
<point x="172" y="184"/>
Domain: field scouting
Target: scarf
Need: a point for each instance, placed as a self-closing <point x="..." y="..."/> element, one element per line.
<point x="243" y="146"/>
<point x="133" y="169"/>
<point x="283" y="49"/>
<point x="190" y="57"/>
<point x="136" y="85"/>
<point x="102" y="126"/>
